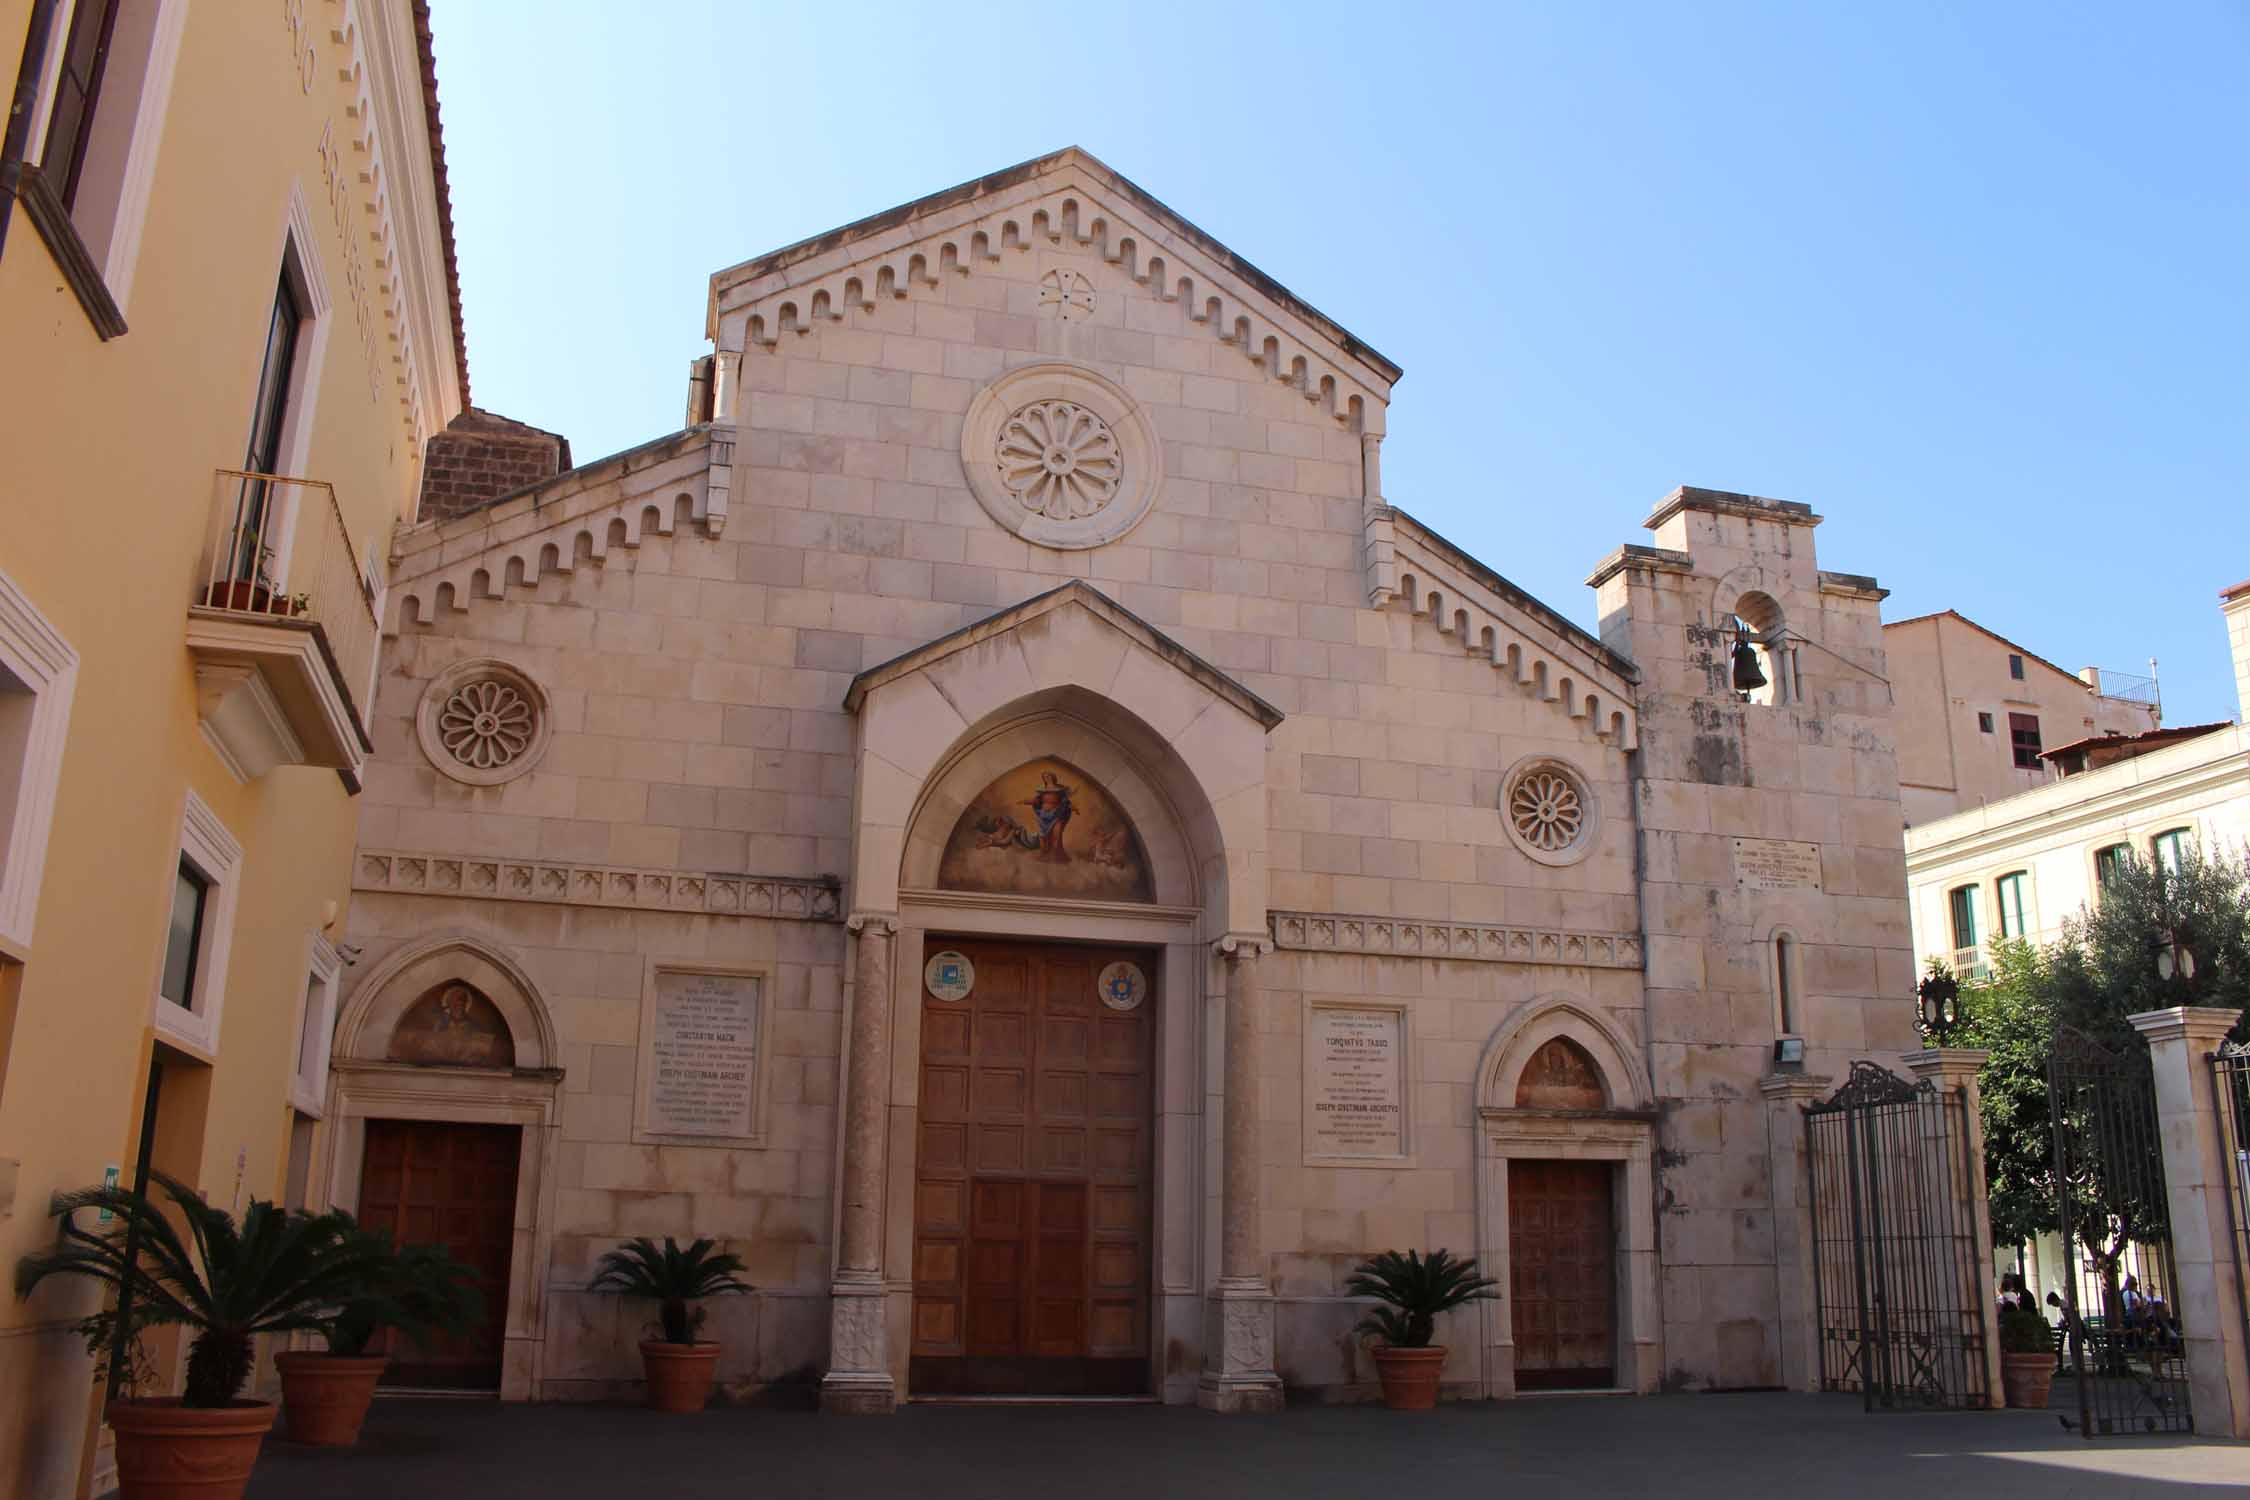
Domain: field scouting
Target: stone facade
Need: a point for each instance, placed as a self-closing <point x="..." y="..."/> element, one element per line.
<point x="1035" y="468"/>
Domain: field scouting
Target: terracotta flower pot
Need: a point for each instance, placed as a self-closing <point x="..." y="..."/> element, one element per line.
<point x="166" y="1451"/>
<point x="679" y="1375"/>
<point x="1410" y="1376"/>
<point x="2027" y="1378"/>
<point x="324" y="1397"/>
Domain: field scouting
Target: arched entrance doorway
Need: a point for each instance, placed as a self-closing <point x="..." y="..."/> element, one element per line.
<point x="1042" y="799"/>
<point x="1566" y="1140"/>
<point x="445" y="1094"/>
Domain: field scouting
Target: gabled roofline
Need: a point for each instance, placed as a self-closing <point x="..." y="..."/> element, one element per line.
<point x="428" y="60"/>
<point x="2023" y="651"/>
<point x="1141" y="198"/>
<point x="1077" y="591"/>
<point x="1576" y="635"/>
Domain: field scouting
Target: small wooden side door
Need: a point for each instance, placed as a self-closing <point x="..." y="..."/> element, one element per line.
<point x="1562" y="1274"/>
<point x="435" y="1182"/>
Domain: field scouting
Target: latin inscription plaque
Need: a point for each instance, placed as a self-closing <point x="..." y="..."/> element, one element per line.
<point x="1355" y="1089"/>
<point x="703" y="1054"/>
<point x="1776" y="865"/>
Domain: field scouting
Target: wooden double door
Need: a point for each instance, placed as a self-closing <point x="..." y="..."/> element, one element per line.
<point x="436" y="1182"/>
<point x="1562" y="1274"/>
<point x="1032" y="1175"/>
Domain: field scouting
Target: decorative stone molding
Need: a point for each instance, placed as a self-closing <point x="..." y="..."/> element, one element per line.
<point x="483" y="722"/>
<point x="1548" y="810"/>
<point x="1405" y="563"/>
<point x="566" y="884"/>
<point x="1398" y="937"/>
<point x="1061" y="456"/>
<point x="1072" y="201"/>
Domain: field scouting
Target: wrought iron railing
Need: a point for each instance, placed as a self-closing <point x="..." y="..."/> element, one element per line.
<point x="278" y="549"/>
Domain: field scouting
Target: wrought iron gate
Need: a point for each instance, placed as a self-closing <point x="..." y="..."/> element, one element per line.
<point x="1895" y="1248"/>
<point x="2124" y="1355"/>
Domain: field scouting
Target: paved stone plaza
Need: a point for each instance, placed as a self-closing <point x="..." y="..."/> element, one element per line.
<point x="1684" y="1446"/>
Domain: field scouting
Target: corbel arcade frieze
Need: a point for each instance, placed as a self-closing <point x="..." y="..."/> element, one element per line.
<point x="1397" y="937"/>
<point x="631" y="888"/>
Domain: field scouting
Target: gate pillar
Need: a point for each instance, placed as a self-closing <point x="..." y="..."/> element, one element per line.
<point x="2211" y="1290"/>
<point x="1952" y="1071"/>
<point x="1795" y="1270"/>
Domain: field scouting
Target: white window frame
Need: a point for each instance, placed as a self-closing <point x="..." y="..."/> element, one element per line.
<point x="43" y="661"/>
<point x="298" y="259"/>
<point x="205" y="844"/>
<point x="324" y="968"/>
<point x="126" y="150"/>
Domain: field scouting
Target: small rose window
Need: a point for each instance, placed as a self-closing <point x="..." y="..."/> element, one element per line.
<point x="483" y="722"/>
<point x="1549" y="811"/>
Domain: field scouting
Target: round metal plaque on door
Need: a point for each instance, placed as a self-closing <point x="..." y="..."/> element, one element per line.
<point x="950" y="975"/>
<point x="1123" y="986"/>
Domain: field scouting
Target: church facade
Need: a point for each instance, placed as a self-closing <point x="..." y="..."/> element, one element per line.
<point x="1005" y="823"/>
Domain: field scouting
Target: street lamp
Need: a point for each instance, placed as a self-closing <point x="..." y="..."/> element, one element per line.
<point x="1938" y="1002"/>
<point x="2174" y="958"/>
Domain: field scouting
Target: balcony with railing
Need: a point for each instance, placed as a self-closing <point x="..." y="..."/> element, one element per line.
<point x="1969" y="962"/>
<point x="281" y="621"/>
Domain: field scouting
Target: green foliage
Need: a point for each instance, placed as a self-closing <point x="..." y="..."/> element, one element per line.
<point x="2024" y="1331"/>
<point x="419" y="1291"/>
<point x="1414" y="1290"/>
<point x="2102" y="970"/>
<point x="672" y="1278"/>
<point x="274" y="1272"/>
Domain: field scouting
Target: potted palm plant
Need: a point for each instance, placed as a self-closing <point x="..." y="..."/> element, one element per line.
<point x="1413" y="1290"/>
<point x="223" y="1281"/>
<point x="416" y="1291"/>
<point x="2027" y="1357"/>
<point x="678" y="1366"/>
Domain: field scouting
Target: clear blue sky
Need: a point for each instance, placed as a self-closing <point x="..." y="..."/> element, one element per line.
<point x="1971" y="279"/>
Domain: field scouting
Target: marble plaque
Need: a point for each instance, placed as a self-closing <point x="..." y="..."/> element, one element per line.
<point x="1776" y="865"/>
<point x="701" y="1063"/>
<point x="1355" y="1083"/>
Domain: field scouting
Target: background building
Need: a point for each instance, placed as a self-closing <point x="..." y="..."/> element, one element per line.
<point x="227" y="255"/>
<point x="1975" y="712"/>
<point x="2022" y="865"/>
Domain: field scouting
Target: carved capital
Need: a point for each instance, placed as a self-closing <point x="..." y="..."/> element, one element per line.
<point x="882" y="924"/>
<point x="1243" y="946"/>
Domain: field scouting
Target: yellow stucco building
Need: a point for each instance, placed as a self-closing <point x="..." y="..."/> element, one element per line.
<point x="225" y="252"/>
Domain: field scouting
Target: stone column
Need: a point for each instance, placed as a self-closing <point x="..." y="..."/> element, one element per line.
<point x="2210" y="1289"/>
<point x="1797" y="1289"/>
<point x="1378" y="531"/>
<point x="859" y="1373"/>
<point x="1238" y="1373"/>
<point x="1953" y="1070"/>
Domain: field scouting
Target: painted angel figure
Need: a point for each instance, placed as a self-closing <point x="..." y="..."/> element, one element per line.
<point x="1051" y="806"/>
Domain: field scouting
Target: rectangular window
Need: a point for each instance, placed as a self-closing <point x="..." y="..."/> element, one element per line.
<point x="183" y="943"/>
<point x="2170" y="847"/>
<point x="2015" y="667"/>
<point x="2010" y="889"/>
<point x="2110" y="863"/>
<point x="1964" y="905"/>
<point x="1984" y="723"/>
<point x="256" y="528"/>
<point x="2023" y="737"/>
<point x="78" y="88"/>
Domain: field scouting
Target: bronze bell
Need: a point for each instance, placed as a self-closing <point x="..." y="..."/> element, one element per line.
<point x="1747" y="673"/>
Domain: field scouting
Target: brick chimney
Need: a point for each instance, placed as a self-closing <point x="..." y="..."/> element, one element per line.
<point x="480" y="457"/>
<point x="2235" y="602"/>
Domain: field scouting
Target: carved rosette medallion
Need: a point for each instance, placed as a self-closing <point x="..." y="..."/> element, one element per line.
<point x="1549" y="811"/>
<point x="1061" y="456"/>
<point x="1060" y="460"/>
<point x="483" y="722"/>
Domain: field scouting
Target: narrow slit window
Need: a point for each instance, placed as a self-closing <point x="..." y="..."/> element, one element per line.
<point x="1785" y="984"/>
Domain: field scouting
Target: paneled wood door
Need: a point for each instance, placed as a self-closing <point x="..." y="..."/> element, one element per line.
<point x="435" y="1182"/>
<point x="1032" y="1178"/>
<point x="1562" y="1274"/>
